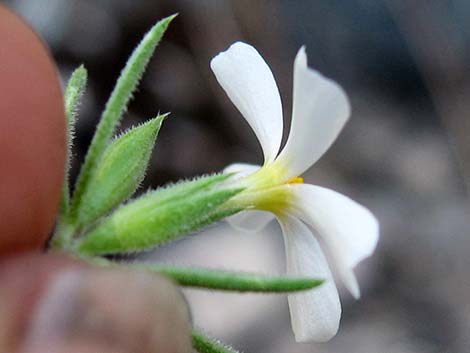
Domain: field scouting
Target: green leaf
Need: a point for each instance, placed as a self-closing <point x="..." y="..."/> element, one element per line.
<point x="72" y="97"/>
<point x="231" y="281"/>
<point x="121" y="170"/>
<point x="203" y="344"/>
<point x="157" y="217"/>
<point x="116" y="105"/>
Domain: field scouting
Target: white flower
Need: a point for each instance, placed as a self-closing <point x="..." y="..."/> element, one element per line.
<point x="349" y="231"/>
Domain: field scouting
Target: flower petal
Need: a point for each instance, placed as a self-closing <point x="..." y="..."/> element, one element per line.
<point x="350" y="230"/>
<point x="249" y="83"/>
<point x="241" y="169"/>
<point x="250" y="221"/>
<point x="320" y="110"/>
<point x="315" y="314"/>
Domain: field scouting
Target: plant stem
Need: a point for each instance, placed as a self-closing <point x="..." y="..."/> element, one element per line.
<point x="63" y="235"/>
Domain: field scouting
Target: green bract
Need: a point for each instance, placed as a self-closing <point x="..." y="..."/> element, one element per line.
<point x="121" y="170"/>
<point x="157" y="217"/>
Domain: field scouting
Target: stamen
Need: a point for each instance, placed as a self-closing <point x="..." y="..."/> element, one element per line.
<point x="295" y="180"/>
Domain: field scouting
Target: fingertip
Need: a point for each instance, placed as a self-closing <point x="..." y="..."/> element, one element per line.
<point x="56" y="303"/>
<point x="24" y="278"/>
<point x="103" y="310"/>
<point x="32" y="136"/>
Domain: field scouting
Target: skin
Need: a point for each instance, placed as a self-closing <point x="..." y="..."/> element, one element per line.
<point x="52" y="302"/>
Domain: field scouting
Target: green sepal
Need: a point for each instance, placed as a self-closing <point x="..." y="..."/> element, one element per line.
<point x="72" y="98"/>
<point x="157" y="217"/>
<point x="180" y="190"/>
<point x="121" y="170"/>
<point x="218" y="214"/>
<point x="116" y="106"/>
<point x="231" y="281"/>
<point x="204" y="344"/>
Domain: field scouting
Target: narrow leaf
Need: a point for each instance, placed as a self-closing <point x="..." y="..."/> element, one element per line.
<point x="203" y="344"/>
<point x="231" y="281"/>
<point x="116" y="105"/>
<point x="156" y="218"/>
<point x="74" y="92"/>
<point x="121" y="170"/>
<point x="72" y="97"/>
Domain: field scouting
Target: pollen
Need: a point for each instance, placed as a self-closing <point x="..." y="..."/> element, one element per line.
<point x="296" y="180"/>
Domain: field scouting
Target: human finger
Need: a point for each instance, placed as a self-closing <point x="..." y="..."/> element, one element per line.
<point x="56" y="304"/>
<point x="32" y="137"/>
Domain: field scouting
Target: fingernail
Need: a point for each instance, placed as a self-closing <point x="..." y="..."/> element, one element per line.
<point x="104" y="311"/>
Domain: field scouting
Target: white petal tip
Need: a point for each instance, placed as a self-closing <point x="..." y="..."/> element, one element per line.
<point x="240" y="44"/>
<point x="323" y="335"/>
<point x="234" y="47"/>
<point x="350" y="281"/>
<point x="301" y="57"/>
<point x="356" y="293"/>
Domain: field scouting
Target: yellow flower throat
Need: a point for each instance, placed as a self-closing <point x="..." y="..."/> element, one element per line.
<point x="266" y="190"/>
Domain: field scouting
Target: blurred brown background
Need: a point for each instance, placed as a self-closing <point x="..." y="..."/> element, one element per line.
<point x="405" y="153"/>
